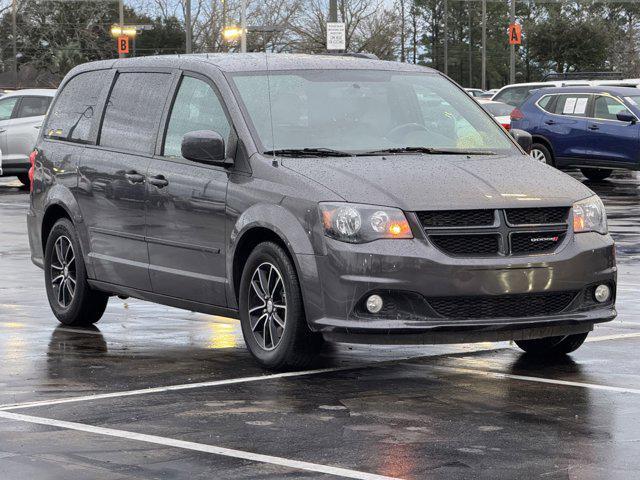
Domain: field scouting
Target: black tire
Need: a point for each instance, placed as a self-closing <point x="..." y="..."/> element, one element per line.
<point x="297" y="345"/>
<point x="77" y="305"/>
<point x="553" y="346"/>
<point x="596" y="174"/>
<point x="548" y="156"/>
<point x="24" y="179"/>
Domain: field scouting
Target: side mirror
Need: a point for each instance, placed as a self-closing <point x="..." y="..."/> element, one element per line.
<point x="523" y="138"/>
<point x="626" y="117"/>
<point x="204" y="146"/>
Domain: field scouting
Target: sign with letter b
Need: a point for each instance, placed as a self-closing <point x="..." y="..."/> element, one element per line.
<point x="123" y="44"/>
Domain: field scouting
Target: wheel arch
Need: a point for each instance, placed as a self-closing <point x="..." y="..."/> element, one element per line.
<point x="260" y="224"/>
<point x="544" y="141"/>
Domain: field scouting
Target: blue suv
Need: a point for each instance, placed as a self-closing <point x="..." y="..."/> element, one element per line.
<point x="593" y="128"/>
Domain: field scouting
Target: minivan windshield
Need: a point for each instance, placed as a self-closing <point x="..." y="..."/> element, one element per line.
<point x="326" y="112"/>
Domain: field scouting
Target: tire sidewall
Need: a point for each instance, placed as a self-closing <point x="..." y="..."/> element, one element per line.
<point x="295" y="317"/>
<point x="68" y="314"/>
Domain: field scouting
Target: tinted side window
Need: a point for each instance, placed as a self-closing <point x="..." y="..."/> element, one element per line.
<point x="6" y="107"/>
<point x="75" y="108"/>
<point x="574" y="105"/>
<point x="196" y="107"/>
<point x="33" y="106"/>
<point x="133" y="111"/>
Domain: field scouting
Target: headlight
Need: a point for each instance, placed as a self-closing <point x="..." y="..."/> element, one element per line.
<point x="355" y="223"/>
<point x="589" y="215"/>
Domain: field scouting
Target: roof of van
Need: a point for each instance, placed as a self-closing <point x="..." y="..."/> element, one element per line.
<point x="248" y="62"/>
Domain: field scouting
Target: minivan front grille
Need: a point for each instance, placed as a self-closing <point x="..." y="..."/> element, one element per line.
<point x="513" y="231"/>
<point x="502" y="306"/>
<point x="467" y="244"/>
<point x="457" y="218"/>
<point x="536" y="216"/>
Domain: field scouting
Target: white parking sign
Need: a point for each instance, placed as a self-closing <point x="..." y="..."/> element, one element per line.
<point x="336" y="36"/>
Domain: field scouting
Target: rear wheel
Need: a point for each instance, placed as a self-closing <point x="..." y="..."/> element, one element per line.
<point x="541" y="153"/>
<point x="553" y="345"/>
<point x="72" y="300"/>
<point x="272" y="315"/>
<point x="596" y="174"/>
<point x="24" y="179"/>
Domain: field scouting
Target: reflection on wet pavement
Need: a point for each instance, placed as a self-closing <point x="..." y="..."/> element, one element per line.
<point x="407" y="412"/>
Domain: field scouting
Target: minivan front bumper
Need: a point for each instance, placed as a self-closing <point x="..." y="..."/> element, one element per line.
<point x="335" y="286"/>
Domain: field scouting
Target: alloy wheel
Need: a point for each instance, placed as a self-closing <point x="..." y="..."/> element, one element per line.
<point x="63" y="271"/>
<point x="267" y="306"/>
<point x="538" y="155"/>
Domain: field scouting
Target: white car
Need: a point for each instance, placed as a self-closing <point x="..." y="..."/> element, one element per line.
<point x="498" y="110"/>
<point x="21" y="116"/>
<point x="474" y="92"/>
<point x="516" y="93"/>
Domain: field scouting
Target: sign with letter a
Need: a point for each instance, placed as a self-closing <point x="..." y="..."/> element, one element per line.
<point x="515" y="34"/>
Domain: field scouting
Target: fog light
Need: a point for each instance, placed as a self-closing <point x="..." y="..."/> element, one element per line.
<point x="602" y="293"/>
<point x="374" y="303"/>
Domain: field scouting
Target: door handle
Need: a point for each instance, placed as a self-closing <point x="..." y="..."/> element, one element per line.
<point x="2" y="130"/>
<point x="550" y="122"/>
<point x="593" y="126"/>
<point x="158" y="181"/>
<point x="37" y="127"/>
<point x="134" y="177"/>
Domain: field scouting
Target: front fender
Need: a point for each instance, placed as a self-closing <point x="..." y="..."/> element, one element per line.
<point x="300" y="238"/>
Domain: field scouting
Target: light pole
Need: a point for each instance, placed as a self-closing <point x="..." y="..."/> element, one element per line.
<point x="484" y="45"/>
<point x="446" y="38"/>
<point x="512" y="50"/>
<point x="14" y="34"/>
<point x="187" y="25"/>
<point x="121" y="12"/>
<point x="243" y="27"/>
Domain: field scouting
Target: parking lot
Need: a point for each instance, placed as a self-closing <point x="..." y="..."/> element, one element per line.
<point x="155" y="392"/>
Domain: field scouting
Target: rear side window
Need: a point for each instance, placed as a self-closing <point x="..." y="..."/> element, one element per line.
<point x="33" y="106"/>
<point x="516" y="95"/>
<point x="75" y="108"/>
<point x="546" y="103"/>
<point x="133" y="111"/>
<point x="574" y="105"/>
<point x="6" y="107"/>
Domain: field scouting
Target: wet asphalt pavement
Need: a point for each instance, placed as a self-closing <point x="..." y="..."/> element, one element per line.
<point x="155" y="392"/>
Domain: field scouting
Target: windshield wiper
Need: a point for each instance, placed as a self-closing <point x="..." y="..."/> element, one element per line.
<point x="308" y="152"/>
<point x="428" y="150"/>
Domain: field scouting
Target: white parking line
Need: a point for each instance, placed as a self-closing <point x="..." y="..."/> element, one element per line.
<point x="197" y="447"/>
<point x="620" y="336"/>
<point x="173" y="388"/>
<point x="525" y="378"/>
<point x="21" y="205"/>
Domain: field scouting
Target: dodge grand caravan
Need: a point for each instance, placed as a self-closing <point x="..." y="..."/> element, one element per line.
<point x="313" y="198"/>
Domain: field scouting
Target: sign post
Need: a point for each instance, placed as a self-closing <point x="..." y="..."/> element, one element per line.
<point x="336" y="36"/>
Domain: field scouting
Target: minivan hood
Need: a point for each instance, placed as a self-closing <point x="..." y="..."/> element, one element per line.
<point x="436" y="182"/>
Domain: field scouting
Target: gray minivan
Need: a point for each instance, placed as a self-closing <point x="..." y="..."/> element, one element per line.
<point x="314" y="198"/>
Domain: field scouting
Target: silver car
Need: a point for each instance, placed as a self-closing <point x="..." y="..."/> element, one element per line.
<point x="21" y="115"/>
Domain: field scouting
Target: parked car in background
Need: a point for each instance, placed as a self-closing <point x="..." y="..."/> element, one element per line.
<point x="21" y="116"/>
<point x="593" y="128"/>
<point x="517" y="93"/>
<point x="314" y="198"/>
<point x="474" y="92"/>
<point x="498" y="110"/>
<point x="489" y="93"/>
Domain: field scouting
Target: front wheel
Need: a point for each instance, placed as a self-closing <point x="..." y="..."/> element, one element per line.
<point x="272" y="315"/>
<point x="71" y="298"/>
<point x="551" y="346"/>
<point x="596" y="174"/>
<point x="541" y="153"/>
